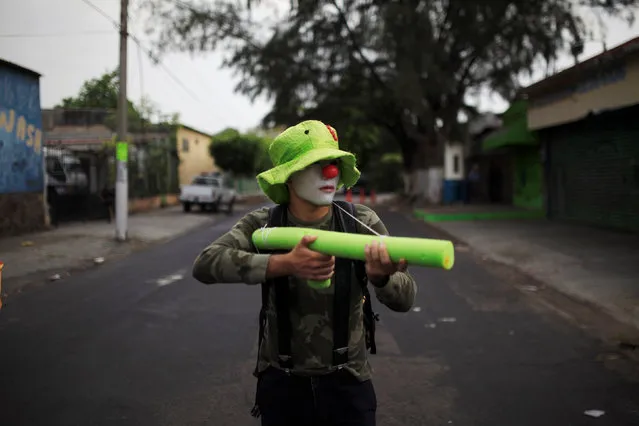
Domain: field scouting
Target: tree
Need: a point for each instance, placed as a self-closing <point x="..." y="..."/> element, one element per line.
<point x="102" y="93"/>
<point x="239" y="154"/>
<point x="405" y="67"/>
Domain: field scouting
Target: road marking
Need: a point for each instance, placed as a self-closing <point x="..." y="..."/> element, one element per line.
<point x="170" y="279"/>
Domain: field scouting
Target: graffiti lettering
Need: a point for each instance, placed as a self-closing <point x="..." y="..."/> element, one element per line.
<point x="21" y="159"/>
<point x="24" y="132"/>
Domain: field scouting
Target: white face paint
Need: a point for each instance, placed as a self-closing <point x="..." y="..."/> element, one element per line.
<point x="311" y="185"/>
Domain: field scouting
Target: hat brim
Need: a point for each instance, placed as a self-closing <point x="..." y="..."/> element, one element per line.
<point x="273" y="181"/>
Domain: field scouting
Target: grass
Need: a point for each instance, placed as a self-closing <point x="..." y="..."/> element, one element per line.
<point x="471" y="216"/>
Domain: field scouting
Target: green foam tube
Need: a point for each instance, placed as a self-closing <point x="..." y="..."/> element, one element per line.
<point x="415" y="251"/>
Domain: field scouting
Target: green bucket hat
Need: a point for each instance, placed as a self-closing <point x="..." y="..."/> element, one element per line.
<point x="298" y="147"/>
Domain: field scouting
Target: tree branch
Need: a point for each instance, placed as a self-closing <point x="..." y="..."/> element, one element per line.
<point x="356" y="46"/>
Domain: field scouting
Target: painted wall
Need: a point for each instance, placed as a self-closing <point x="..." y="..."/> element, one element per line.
<point x="193" y="149"/>
<point x="20" y="132"/>
<point x="613" y="88"/>
<point x="528" y="180"/>
<point x="22" y="207"/>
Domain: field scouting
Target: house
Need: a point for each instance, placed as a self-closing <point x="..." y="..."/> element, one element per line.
<point x="22" y="195"/>
<point x="193" y="150"/>
<point x="587" y="121"/>
<point x="514" y="169"/>
<point x="85" y="138"/>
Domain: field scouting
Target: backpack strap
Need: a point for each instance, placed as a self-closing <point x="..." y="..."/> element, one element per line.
<point x="342" y="297"/>
<point x="278" y="218"/>
<point x="370" y="317"/>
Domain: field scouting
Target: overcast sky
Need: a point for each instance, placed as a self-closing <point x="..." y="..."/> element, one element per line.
<point x="68" y="42"/>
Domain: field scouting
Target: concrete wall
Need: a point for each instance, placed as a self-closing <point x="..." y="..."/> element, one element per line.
<point x="22" y="206"/>
<point x="193" y="149"/>
<point x="21" y="213"/>
<point x="616" y="86"/>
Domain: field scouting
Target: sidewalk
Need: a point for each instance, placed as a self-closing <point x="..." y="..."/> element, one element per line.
<point x="55" y="253"/>
<point x="590" y="265"/>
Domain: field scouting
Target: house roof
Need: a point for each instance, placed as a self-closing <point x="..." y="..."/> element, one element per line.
<point x="19" y="68"/>
<point x="574" y="73"/>
<point x="195" y="130"/>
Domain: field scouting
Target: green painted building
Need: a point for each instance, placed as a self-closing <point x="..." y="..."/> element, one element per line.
<point x="520" y="165"/>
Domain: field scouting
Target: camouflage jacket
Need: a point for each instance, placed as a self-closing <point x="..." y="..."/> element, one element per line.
<point x="233" y="258"/>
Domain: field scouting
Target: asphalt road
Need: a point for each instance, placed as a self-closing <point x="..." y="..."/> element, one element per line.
<point x="139" y="342"/>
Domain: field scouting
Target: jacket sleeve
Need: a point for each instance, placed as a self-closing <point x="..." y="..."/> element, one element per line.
<point x="232" y="258"/>
<point x="398" y="294"/>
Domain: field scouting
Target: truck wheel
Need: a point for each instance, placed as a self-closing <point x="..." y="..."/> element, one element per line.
<point x="216" y="204"/>
<point x="186" y="207"/>
<point x="229" y="209"/>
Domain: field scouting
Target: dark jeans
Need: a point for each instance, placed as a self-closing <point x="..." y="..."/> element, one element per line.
<point x="337" y="399"/>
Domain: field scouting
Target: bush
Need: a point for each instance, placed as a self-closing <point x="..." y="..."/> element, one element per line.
<point x="386" y="173"/>
<point x="239" y="154"/>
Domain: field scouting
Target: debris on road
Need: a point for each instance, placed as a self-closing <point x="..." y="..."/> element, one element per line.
<point x="98" y="260"/>
<point x="594" y="413"/>
<point x="55" y="277"/>
<point x="417" y="309"/>
<point x="531" y="288"/>
<point x="448" y="319"/>
<point x="431" y="325"/>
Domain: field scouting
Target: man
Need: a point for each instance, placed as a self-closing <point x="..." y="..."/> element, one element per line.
<point x="312" y="367"/>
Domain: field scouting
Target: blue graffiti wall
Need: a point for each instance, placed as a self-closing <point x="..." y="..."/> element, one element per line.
<point x="20" y="132"/>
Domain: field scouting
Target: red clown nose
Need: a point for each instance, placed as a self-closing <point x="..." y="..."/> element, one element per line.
<point x="329" y="172"/>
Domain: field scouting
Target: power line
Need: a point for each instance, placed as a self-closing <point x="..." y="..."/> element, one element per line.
<point x="103" y="13"/>
<point x="73" y="34"/>
<point x="145" y="50"/>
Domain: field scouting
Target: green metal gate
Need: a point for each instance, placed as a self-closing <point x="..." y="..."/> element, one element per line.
<point x="593" y="173"/>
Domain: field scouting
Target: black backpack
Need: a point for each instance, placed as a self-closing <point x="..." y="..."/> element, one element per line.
<point x="345" y="223"/>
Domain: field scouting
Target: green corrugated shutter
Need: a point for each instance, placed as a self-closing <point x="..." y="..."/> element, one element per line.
<point x="594" y="171"/>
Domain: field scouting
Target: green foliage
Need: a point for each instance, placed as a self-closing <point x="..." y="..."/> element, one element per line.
<point x="102" y="93"/>
<point x="406" y="68"/>
<point x="240" y="154"/>
<point x="154" y="172"/>
<point x="386" y="175"/>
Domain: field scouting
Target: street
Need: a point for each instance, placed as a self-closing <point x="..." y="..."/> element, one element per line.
<point x="140" y="342"/>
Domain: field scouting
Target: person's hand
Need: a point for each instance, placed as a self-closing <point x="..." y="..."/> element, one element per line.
<point x="379" y="266"/>
<point x="307" y="264"/>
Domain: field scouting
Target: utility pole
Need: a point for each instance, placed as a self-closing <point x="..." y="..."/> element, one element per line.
<point x="122" y="149"/>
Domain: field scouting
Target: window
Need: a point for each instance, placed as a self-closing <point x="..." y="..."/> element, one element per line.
<point x="185" y="145"/>
<point x="456" y="163"/>
<point x="206" y="181"/>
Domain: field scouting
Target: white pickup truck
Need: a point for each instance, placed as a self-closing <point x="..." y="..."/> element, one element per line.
<point x="208" y="192"/>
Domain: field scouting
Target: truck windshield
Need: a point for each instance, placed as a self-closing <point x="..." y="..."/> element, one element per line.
<point x="205" y="181"/>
